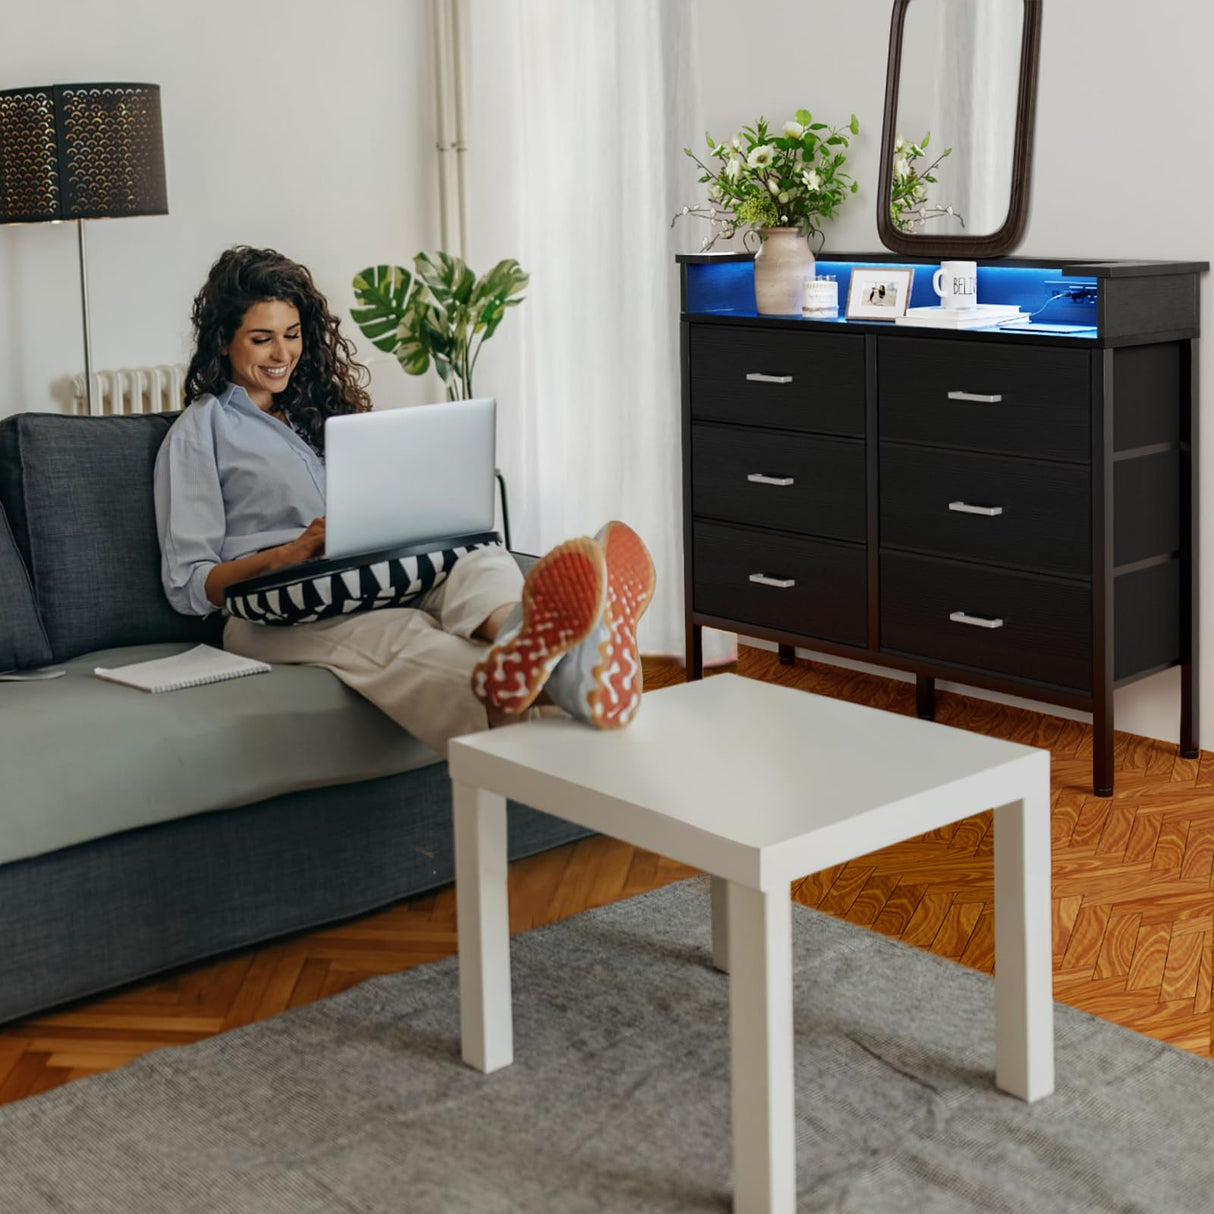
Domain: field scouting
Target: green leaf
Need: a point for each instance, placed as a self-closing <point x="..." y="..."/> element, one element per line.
<point x="449" y="279"/>
<point x="854" y="125"/>
<point x="413" y="355"/>
<point x="505" y="279"/>
<point x="923" y="141"/>
<point x="804" y="117"/>
<point x="381" y="292"/>
<point x="817" y="126"/>
<point x="430" y="272"/>
<point x="494" y="293"/>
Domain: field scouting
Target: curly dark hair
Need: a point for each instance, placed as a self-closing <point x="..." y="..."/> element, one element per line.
<point x="326" y="380"/>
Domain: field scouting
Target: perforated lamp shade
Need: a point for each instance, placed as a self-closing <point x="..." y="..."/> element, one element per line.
<point x="81" y="151"/>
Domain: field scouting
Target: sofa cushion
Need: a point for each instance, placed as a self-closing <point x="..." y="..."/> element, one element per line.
<point x="23" y="641"/>
<point x="81" y="758"/>
<point x="78" y="492"/>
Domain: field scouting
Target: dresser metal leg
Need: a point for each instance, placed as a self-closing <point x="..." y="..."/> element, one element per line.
<point x="925" y="697"/>
<point x="695" y="652"/>
<point x="1190" y="746"/>
<point x="1102" y="744"/>
<point x="788" y="655"/>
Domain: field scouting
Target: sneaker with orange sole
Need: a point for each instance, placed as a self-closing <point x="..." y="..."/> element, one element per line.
<point x="601" y="681"/>
<point x="562" y="601"/>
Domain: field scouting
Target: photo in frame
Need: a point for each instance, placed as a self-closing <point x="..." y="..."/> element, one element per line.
<point x="879" y="293"/>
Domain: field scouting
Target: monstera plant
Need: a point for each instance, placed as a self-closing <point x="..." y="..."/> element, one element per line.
<point x="441" y="313"/>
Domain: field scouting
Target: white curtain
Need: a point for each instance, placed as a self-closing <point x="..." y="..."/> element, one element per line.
<point x="578" y="113"/>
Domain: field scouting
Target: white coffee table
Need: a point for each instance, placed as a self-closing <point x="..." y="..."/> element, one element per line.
<point x="758" y="785"/>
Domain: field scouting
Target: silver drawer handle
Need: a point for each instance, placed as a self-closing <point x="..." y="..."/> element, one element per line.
<point x="780" y="583"/>
<point x="757" y="478"/>
<point x="981" y="397"/>
<point x="757" y="377"/>
<point x="978" y="621"/>
<point x="966" y="508"/>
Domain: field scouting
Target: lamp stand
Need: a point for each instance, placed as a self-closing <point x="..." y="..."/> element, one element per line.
<point x="84" y="309"/>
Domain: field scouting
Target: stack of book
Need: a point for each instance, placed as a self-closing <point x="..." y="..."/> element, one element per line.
<point x="980" y="316"/>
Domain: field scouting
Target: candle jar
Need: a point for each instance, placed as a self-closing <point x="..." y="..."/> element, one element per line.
<point x="820" y="296"/>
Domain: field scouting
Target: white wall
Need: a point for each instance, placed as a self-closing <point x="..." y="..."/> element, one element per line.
<point x="302" y="125"/>
<point x="1120" y="168"/>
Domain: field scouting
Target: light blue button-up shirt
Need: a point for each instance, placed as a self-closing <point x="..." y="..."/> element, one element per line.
<point x="229" y="480"/>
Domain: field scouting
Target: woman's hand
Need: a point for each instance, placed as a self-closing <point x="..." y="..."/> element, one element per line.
<point x="310" y="543"/>
<point x="306" y="545"/>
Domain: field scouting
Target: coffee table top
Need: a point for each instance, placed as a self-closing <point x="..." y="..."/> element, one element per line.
<point x="752" y="781"/>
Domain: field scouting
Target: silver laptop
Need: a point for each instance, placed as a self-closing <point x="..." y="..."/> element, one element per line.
<point x="404" y="476"/>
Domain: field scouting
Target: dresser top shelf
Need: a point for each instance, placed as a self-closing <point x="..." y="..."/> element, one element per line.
<point x="1124" y="268"/>
<point x="1093" y="303"/>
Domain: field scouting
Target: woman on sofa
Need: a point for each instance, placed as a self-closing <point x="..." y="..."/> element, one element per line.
<point x="239" y="491"/>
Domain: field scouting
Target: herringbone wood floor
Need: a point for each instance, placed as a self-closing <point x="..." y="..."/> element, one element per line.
<point x="1133" y="890"/>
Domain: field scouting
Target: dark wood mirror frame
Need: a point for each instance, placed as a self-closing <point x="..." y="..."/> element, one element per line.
<point x="996" y="244"/>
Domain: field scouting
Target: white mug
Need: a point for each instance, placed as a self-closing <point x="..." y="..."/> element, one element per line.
<point x="956" y="282"/>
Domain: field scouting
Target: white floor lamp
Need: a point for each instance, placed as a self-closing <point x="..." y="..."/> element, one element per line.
<point x="77" y="152"/>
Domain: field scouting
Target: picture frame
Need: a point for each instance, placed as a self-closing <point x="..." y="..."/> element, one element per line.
<point x="879" y="292"/>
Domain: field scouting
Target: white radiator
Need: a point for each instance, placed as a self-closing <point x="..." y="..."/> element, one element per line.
<point x="133" y="390"/>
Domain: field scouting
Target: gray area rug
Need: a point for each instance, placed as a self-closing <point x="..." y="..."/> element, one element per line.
<point x="619" y="1096"/>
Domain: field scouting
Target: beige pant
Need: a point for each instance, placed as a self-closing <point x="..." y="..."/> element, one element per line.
<point x="414" y="663"/>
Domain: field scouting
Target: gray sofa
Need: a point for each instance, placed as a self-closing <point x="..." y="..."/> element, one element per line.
<point x="138" y="832"/>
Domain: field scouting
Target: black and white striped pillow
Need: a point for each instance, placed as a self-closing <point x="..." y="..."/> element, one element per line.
<point x="328" y="588"/>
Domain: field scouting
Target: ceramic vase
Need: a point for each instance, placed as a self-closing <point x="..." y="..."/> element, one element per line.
<point x="782" y="264"/>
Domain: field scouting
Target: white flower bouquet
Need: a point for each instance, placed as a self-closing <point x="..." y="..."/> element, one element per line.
<point x="761" y="179"/>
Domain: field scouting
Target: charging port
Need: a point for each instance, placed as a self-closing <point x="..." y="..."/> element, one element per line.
<point x="1075" y="290"/>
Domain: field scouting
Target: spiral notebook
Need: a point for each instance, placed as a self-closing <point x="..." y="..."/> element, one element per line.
<point x="195" y="668"/>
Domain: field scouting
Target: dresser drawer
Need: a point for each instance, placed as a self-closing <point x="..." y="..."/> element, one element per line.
<point x="1044" y="632"/>
<point x="1024" y="513"/>
<point x="763" y="377"/>
<point x="1031" y="401"/>
<point x="819" y="587"/>
<point x="793" y="482"/>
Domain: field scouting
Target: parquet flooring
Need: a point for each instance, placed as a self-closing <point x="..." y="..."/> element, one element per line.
<point x="1133" y="902"/>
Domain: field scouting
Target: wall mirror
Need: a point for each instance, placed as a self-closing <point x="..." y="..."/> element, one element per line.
<point x="956" y="142"/>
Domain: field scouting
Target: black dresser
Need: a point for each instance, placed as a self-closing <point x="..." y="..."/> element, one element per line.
<point x="1014" y="510"/>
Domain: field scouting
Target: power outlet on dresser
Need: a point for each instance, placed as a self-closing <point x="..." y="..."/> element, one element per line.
<point x="1076" y="292"/>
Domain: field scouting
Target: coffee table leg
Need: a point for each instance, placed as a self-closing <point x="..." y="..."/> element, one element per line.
<point x="1024" y="997"/>
<point x="719" y="897"/>
<point x="760" y="1037"/>
<point x="486" y="1020"/>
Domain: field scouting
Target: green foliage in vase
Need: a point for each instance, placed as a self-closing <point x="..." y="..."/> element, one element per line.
<point x="442" y="313"/>
<point x="909" y="208"/>
<point x="761" y="179"/>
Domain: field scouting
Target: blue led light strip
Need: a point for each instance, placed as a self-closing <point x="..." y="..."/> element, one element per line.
<point x="727" y="288"/>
